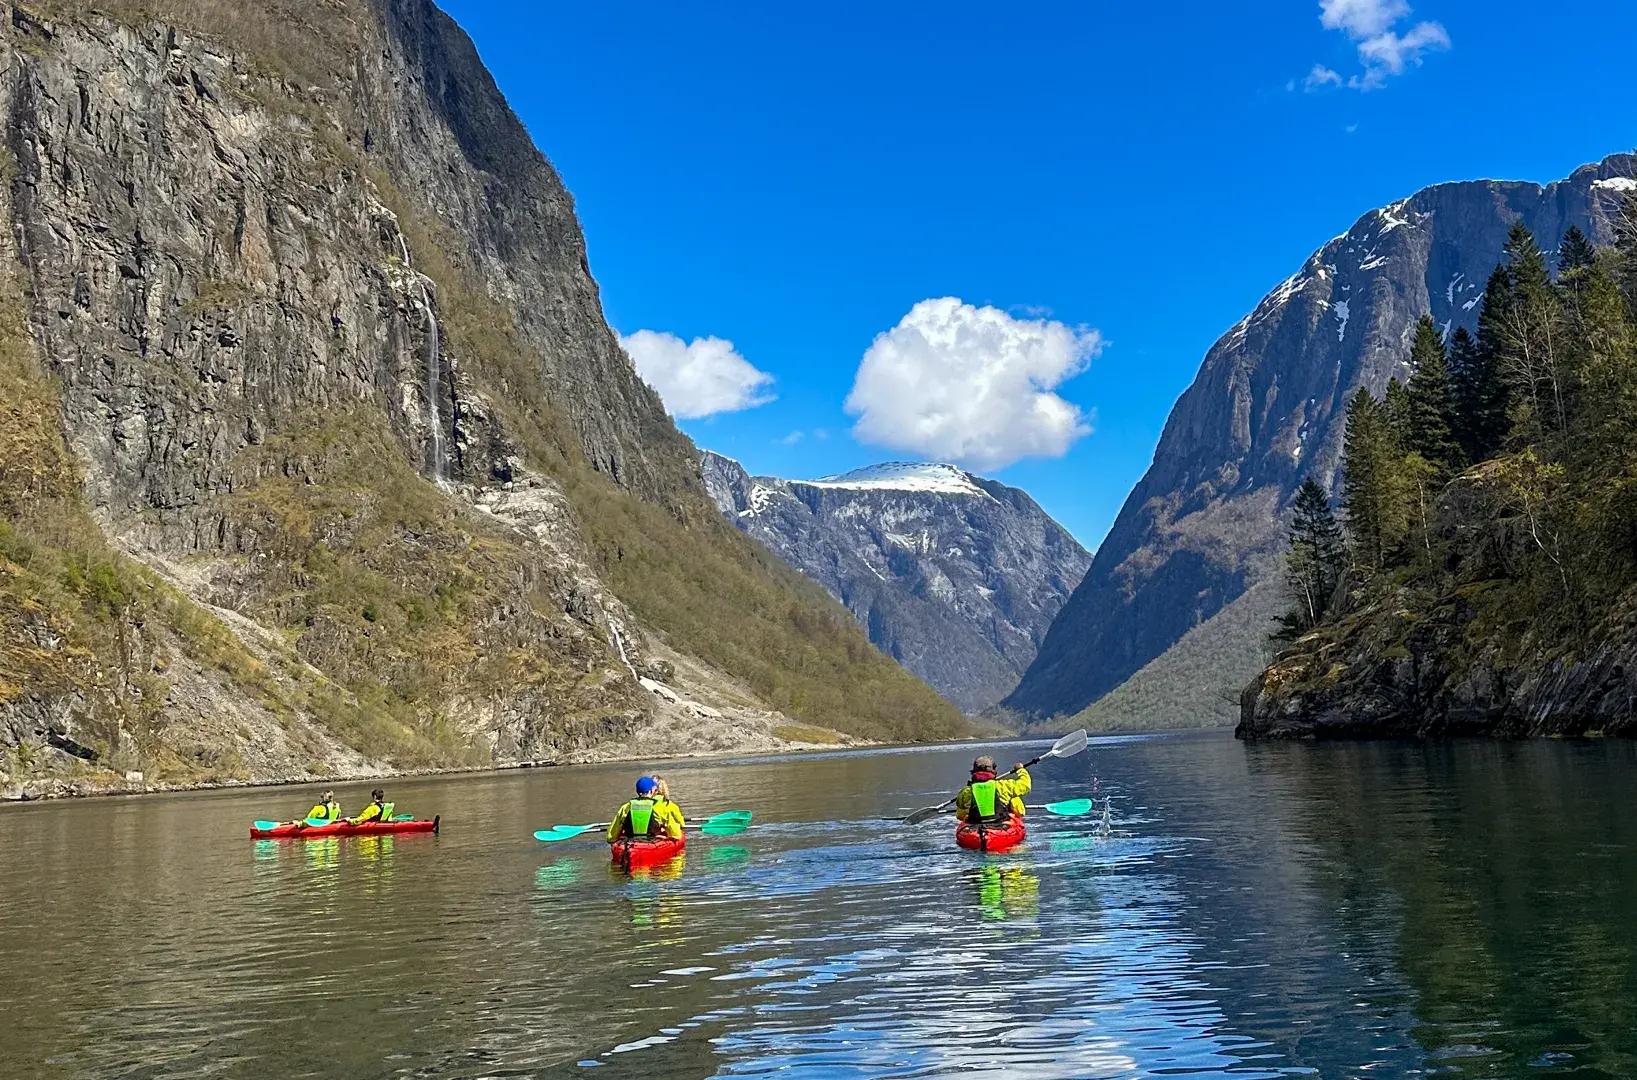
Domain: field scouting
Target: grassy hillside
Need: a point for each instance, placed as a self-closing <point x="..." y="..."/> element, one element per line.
<point x="1195" y="683"/>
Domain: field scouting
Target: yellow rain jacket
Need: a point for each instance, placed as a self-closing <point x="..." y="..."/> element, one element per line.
<point x="664" y="819"/>
<point x="1008" y="797"/>
<point x="374" y="812"/>
<point x="330" y="811"/>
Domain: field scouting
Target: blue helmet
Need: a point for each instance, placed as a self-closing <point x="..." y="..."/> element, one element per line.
<point x="646" y="785"/>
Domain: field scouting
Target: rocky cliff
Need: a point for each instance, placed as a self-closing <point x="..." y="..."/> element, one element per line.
<point x="954" y="576"/>
<point x="1267" y="410"/>
<point x="341" y="468"/>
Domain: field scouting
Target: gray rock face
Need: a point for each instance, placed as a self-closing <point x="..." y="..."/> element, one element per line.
<point x="955" y="576"/>
<point x="332" y="364"/>
<point x="1268" y="409"/>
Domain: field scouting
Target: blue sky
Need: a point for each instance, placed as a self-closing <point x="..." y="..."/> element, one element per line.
<point x="1120" y="182"/>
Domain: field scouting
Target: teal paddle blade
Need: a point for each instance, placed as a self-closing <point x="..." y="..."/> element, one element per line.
<point x="265" y="825"/>
<point x="724" y="828"/>
<point x="728" y="816"/>
<point x="1070" y="807"/>
<point x="562" y="832"/>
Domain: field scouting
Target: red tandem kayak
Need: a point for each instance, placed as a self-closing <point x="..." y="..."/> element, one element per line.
<point x="641" y="851"/>
<point x="1003" y="836"/>
<point x="341" y="828"/>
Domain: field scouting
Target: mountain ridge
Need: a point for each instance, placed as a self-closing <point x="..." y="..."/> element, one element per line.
<point x="336" y="467"/>
<point x="1265" y="409"/>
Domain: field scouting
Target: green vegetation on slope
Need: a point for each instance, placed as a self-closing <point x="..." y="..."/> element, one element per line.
<point x="1489" y="505"/>
<point x="1196" y="682"/>
<point x="714" y="593"/>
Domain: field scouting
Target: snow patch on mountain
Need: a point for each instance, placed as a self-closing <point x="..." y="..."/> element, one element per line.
<point x="904" y="476"/>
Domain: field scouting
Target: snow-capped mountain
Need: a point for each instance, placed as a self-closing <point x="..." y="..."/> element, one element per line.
<point x="955" y="576"/>
<point x="1268" y="408"/>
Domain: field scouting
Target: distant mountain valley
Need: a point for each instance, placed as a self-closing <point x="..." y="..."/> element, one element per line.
<point x="955" y="576"/>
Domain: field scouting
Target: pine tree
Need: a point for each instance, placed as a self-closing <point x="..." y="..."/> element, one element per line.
<point x="1574" y="254"/>
<point x="1477" y="398"/>
<point x="1314" y="564"/>
<point x="1395" y="406"/>
<point x="1428" y="400"/>
<point x="1528" y="336"/>
<point x="1373" y="489"/>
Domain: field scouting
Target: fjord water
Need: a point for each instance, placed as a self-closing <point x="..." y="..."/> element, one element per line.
<point x="1462" y="910"/>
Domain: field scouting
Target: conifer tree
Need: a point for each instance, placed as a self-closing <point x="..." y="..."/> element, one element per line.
<point x="1314" y="564"/>
<point x="1527" y="334"/>
<point x="1428" y="401"/>
<point x="1395" y="405"/>
<point x="1574" y="254"/>
<point x="1373" y="492"/>
<point x="1477" y="398"/>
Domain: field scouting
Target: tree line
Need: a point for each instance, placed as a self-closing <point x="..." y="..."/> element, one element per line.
<point x="1509" y="457"/>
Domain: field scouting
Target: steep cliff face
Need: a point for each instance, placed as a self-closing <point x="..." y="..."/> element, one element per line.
<point x="1267" y="410"/>
<point x="332" y="370"/>
<point x="955" y="576"/>
<point x="1467" y="646"/>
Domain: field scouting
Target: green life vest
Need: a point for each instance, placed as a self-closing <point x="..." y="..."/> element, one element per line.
<point x="386" y="810"/>
<point x="985" y="797"/>
<point x="640" y="816"/>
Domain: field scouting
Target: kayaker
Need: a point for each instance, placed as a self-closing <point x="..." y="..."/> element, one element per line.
<point x="326" y="809"/>
<point x="987" y="799"/>
<point x="651" y="813"/>
<point x="377" y="810"/>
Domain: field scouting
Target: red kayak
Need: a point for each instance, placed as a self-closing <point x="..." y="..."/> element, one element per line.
<point x="1002" y="836"/>
<point x="301" y="830"/>
<point x="642" y="851"/>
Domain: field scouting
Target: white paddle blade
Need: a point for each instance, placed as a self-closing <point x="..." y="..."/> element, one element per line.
<point x="1068" y="745"/>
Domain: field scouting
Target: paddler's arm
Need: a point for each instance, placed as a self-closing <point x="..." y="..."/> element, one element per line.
<point x="670" y="816"/>
<point x="1016" y="788"/>
<point x="963" y="803"/>
<point x="617" y="826"/>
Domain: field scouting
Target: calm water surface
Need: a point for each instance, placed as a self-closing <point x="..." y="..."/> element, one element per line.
<point x="1465" y="910"/>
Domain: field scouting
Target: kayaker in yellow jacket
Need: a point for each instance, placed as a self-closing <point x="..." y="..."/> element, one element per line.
<point x="326" y="809"/>
<point x="377" y="810"/>
<point x="988" y="799"/>
<point x="651" y="813"/>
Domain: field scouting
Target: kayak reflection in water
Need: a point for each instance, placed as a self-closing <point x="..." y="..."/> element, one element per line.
<point x="326" y="809"/>
<point x="988" y="800"/>
<point x="377" y="810"/>
<point x="1007" y="892"/>
<point x="651" y="814"/>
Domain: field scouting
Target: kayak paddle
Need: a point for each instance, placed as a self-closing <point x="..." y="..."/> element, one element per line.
<point x="1068" y="807"/>
<point x="728" y="823"/>
<point x="1067" y="746"/>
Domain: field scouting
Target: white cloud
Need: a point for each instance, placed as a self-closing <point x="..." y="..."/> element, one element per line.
<point x="791" y="439"/>
<point x="698" y="378"/>
<point x="1319" y="78"/>
<point x="971" y="385"/>
<point x="1361" y="18"/>
<point x="1387" y="54"/>
<point x="1382" y="50"/>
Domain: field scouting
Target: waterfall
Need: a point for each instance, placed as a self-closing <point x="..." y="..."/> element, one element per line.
<point x="433" y="357"/>
<point x="620" y="645"/>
